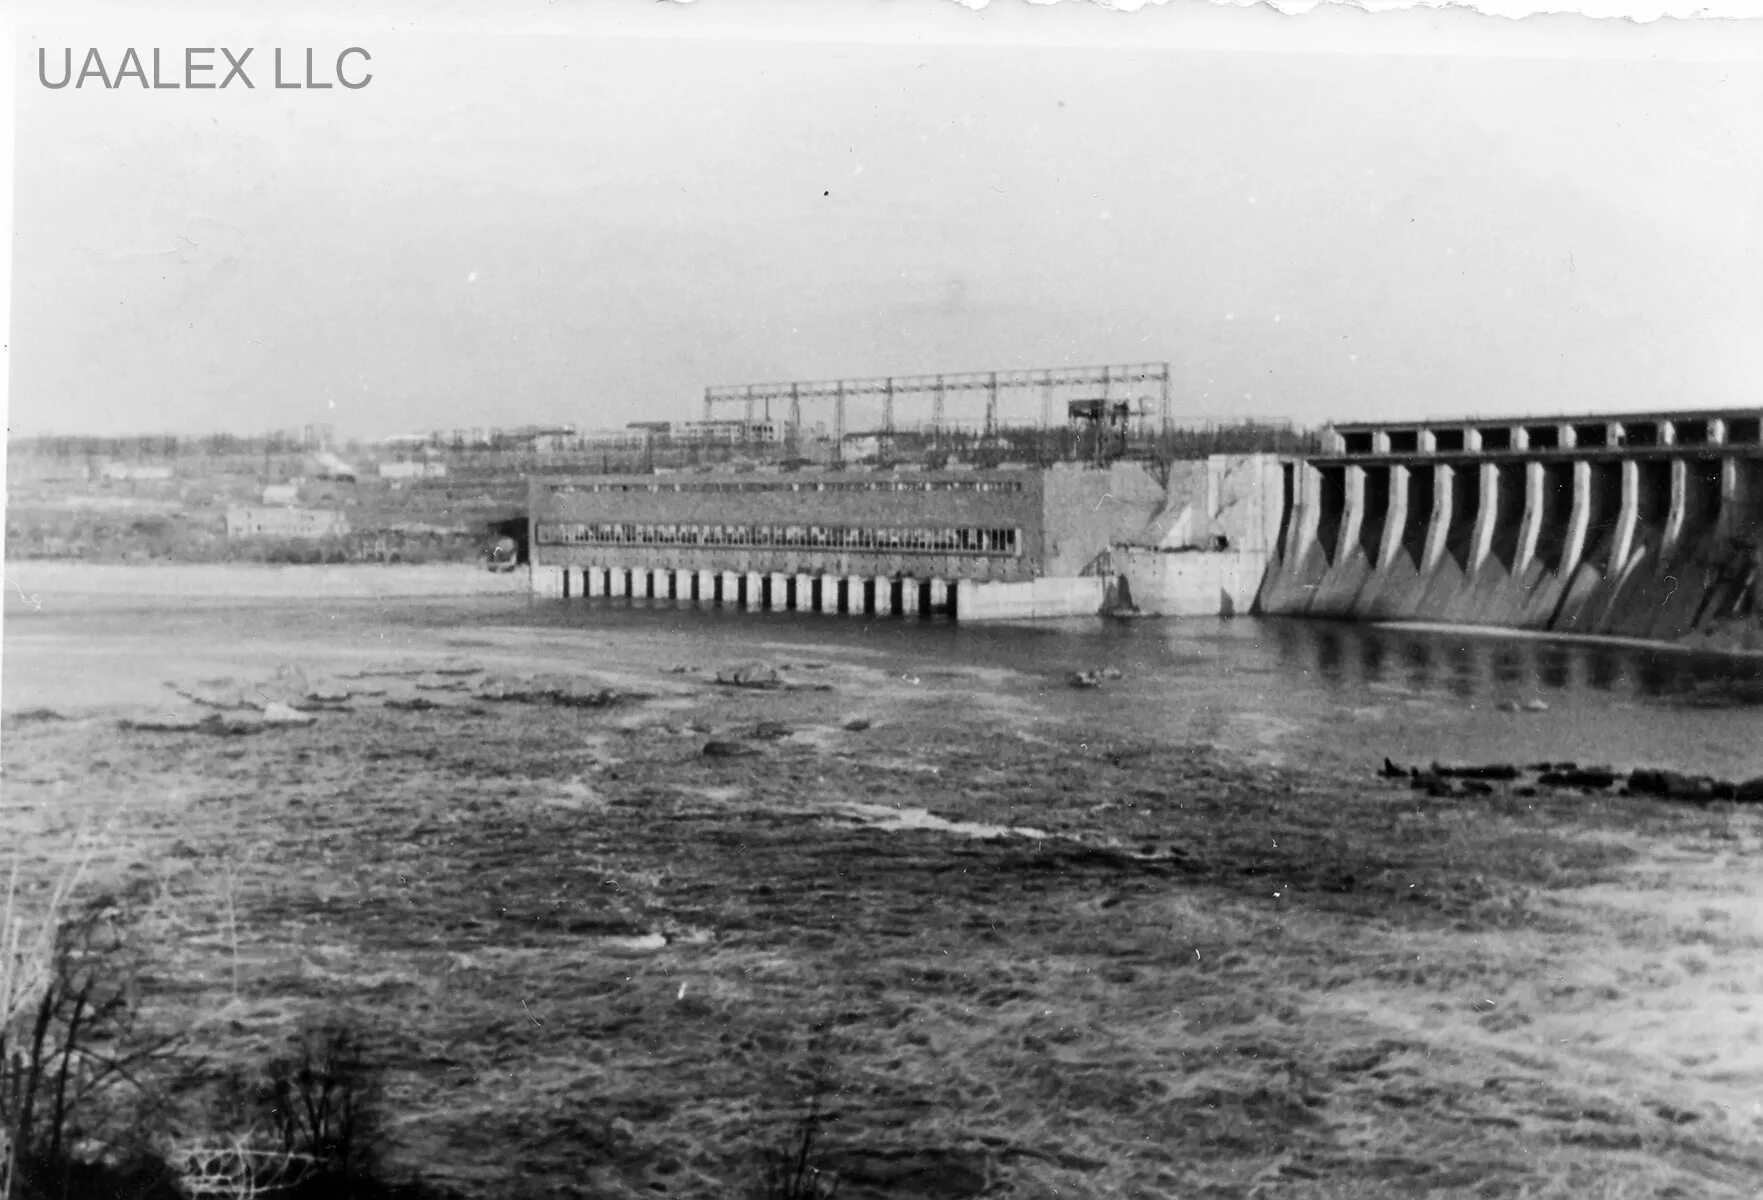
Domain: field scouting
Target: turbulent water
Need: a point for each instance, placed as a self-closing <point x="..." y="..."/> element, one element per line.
<point x="1076" y="962"/>
<point x="1297" y="690"/>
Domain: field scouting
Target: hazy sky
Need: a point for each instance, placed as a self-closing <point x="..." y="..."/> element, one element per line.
<point x="509" y="229"/>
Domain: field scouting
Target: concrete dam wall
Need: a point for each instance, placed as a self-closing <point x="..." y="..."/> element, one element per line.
<point x="1644" y="526"/>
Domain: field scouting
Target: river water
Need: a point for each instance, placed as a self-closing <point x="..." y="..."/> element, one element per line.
<point x="1291" y="690"/>
<point x="1278" y="690"/>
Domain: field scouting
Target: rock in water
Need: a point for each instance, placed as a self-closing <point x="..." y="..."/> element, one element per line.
<point x="434" y="681"/>
<point x="275" y="713"/>
<point x="1083" y="679"/>
<point x="750" y="675"/>
<point x="1490" y="771"/>
<point x="235" y="724"/>
<point x="218" y="693"/>
<point x="1672" y="785"/>
<point x="1568" y="775"/>
<point x="578" y="693"/>
<point x="166" y="721"/>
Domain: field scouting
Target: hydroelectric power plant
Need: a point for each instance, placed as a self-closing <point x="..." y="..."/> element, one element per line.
<point x="1633" y="525"/>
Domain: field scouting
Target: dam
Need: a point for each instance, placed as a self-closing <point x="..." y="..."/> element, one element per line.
<point x="1641" y="526"/>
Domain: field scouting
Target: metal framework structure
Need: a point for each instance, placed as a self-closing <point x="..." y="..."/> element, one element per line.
<point x="893" y="388"/>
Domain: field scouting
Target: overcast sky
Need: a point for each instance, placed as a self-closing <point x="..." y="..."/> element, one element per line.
<point x="514" y="229"/>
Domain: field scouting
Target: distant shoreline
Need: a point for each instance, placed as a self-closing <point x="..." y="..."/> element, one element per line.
<point x="30" y="581"/>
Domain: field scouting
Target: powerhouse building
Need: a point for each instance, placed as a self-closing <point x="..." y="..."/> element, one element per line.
<point x="1017" y="542"/>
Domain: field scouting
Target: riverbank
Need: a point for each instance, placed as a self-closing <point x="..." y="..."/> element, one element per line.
<point x="607" y="923"/>
<point x="32" y="583"/>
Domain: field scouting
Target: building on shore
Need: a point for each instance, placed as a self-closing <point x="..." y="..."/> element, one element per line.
<point x="329" y="467"/>
<point x="413" y="470"/>
<point x="279" y="522"/>
<point x="135" y="472"/>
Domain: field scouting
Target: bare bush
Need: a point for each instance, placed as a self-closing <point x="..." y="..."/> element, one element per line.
<point x="793" y="1166"/>
<point x="321" y="1106"/>
<point x="69" y="1042"/>
<point x="792" y="1169"/>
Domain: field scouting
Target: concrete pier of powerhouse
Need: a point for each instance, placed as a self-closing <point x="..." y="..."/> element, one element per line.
<point x="1640" y="525"/>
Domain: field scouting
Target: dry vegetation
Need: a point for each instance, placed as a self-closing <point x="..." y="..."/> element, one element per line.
<point x="942" y="936"/>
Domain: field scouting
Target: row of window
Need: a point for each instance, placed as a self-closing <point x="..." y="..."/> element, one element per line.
<point x="810" y="485"/>
<point x="811" y="537"/>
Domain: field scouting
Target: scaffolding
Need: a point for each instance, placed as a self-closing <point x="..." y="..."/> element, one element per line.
<point x="895" y="390"/>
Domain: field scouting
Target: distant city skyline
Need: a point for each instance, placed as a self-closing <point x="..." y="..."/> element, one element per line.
<point x="514" y="230"/>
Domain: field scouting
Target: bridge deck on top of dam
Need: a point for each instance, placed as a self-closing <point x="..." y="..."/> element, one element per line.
<point x="1638" y="524"/>
<point x="1664" y="431"/>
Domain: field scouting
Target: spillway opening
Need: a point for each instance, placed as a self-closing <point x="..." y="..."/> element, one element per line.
<point x="1375" y="507"/>
<point x="1701" y="499"/>
<point x="1508" y="513"/>
<point x="1556" y="514"/>
<point x="1417" y="521"/>
<point x="1288" y="476"/>
<point x="1653" y="501"/>
<point x="1465" y="511"/>
<point x="1603" y="507"/>
<point x="1332" y="507"/>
